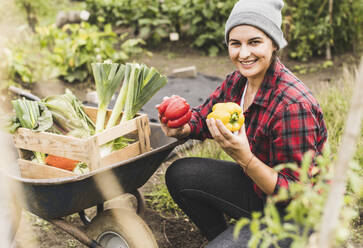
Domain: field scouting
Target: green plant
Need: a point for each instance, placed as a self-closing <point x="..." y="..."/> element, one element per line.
<point x="206" y="20"/>
<point x="304" y="211"/>
<point x="160" y="199"/>
<point x="312" y="68"/>
<point x="72" y="49"/>
<point x="308" y="29"/>
<point x="20" y="67"/>
<point x="206" y="149"/>
<point x="145" y="18"/>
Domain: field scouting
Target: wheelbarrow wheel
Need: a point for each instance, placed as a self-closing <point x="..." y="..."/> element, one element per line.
<point x="120" y="228"/>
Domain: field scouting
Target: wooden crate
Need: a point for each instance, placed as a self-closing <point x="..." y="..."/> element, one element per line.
<point x="85" y="150"/>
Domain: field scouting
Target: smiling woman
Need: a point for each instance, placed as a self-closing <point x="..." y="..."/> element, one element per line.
<point x="282" y="121"/>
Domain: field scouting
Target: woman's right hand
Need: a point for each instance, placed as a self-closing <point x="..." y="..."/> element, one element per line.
<point x="179" y="133"/>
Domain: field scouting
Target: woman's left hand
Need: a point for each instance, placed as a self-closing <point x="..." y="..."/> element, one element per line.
<point x="236" y="146"/>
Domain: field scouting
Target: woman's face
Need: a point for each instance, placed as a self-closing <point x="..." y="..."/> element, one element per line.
<point x="250" y="50"/>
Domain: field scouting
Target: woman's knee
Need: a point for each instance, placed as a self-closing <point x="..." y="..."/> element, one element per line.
<point x="181" y="172"/>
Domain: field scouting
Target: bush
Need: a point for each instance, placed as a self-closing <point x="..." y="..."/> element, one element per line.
<point x="73" y="48"/>
<point x="68" y="52"/>
<point x="306" y="23"/>
<point x="200" y="21"/>
<point x="145" y="18"/>
<point x="308" y="29"/>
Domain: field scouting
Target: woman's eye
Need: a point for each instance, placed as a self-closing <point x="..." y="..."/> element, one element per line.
<point x="255" y="42"/>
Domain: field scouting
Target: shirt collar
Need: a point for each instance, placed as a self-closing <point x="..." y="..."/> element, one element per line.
<point x="262" y="97"/>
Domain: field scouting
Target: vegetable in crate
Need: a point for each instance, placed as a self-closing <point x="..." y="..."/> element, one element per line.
<point x="175" y="111"/>
<point x="32" y="115"/>
<point x="229" y="113"/>
<point x="61" y="163"/>
<point x="68" y="114"/>
<point x="66" y="164"/>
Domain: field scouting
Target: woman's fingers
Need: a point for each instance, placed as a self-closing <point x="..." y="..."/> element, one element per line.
<point x="223" y="130"/>
<point x="218" y="131"/>
<point x="212" y="128"/>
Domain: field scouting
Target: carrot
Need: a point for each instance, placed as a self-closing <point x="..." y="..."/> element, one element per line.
<point x="60" y="162"/>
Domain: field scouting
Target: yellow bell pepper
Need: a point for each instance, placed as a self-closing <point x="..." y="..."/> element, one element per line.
<point x="229" y="113"/>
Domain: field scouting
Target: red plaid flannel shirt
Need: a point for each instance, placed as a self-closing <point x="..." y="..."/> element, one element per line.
<point x="283" y="122"/>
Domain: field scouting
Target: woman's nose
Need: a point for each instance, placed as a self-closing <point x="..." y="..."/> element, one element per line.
<point x="244" y="52"/>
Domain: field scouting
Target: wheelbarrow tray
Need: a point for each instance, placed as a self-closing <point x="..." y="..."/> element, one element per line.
<point x="59" y="197"/>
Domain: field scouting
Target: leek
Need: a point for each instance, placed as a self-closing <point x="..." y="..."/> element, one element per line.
<point x="131" y="92"/>
<point x="140" y="83"/>
<point x="121" y="99"/>
<point x="143" y="83"/>
<point x="107" y="77"/>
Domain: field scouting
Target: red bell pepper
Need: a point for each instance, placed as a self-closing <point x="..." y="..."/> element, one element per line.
<point x="162" y="106"/>
<point x="174" y="111"/>
<point x="180" y="121"/>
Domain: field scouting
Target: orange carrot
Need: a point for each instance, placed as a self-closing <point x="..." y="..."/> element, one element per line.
<point x="60" y="162"/>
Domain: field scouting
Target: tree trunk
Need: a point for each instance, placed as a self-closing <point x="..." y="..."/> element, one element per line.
<point x="328" y="47"/>
<point x="30" y="16"/>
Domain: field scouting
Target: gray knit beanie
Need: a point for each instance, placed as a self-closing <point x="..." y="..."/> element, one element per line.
<point x="263" y="14"/>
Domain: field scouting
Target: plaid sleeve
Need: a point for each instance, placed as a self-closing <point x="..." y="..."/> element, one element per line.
<point x="197" y="123"/>
<point x="295" y="131"/>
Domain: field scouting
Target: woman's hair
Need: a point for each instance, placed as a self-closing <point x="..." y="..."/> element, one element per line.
<point x="275" y="56"/>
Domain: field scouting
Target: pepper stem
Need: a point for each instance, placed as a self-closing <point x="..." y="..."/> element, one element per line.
<point x="234" y="117"/>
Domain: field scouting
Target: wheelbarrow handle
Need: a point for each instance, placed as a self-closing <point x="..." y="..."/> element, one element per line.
<point x="23" y="93"/>
<point x="75" y="232"/>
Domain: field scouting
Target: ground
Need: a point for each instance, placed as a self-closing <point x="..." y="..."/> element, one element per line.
<point x="168" y="230"/>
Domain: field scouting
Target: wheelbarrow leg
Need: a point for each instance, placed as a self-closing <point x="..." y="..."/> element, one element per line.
<point x="75" y="232"/>
<point x="85" y="219"/>
<point x="140" y="202"/>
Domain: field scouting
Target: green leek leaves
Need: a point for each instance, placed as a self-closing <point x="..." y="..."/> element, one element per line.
<point x="107" y="77"/>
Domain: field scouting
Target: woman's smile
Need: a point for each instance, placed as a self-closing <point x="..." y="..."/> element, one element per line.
<point x="248" y="63"/>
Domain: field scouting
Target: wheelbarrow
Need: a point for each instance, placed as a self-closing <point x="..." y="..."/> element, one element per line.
<point x="54" y="199"/>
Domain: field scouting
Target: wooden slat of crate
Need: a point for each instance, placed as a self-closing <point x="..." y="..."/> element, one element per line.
<point x="33" y="170"/>
<point x="128" y="152"/>
<point x="118" y="131"/>
<point x="86" y="150"/>
<point x="59" y="145"/>
<point x="144" y="134"/>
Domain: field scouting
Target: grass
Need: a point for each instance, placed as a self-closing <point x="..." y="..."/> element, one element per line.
<point x="335" y="102"/>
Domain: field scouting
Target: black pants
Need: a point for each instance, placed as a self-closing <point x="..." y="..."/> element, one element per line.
<point x="206" y="190"/>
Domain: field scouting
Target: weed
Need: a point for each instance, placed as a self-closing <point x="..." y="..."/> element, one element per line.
<point x="71" y="243"/>
<point x="160" y="200"/>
